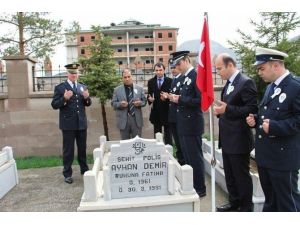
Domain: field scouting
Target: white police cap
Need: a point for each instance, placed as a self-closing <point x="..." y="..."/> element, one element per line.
<point x="264" y="55"/>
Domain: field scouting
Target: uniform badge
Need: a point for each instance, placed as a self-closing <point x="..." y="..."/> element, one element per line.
<point x="81" y="89"/>
<point x="135" y="90"/>
<point x="186" y="79"/>
<point x="189" y="82"/>
<point x="229" y="90"/>
<point x="282" y="97"/>
<point x="174" y="89"/>
<point x="178" y="84"/>
<point x="276" y="92"/>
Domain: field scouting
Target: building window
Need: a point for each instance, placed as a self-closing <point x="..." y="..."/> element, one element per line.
<point x="151" y="49"/>
<point x="160" y="48"/>
<point x="120" y="62"/>
<point x="119" y="38"/>
<point x="119" y="50"/>
<point x="92" y="37"/>
<point x="147" y="61"/>
<point x="161" y="59"/>
<point x="151" y="36"/>
<point x="81" y="39"/>
<point x="82" y="51"/>
<point x="136" y="37"/>
<point x="146" y="36"/>
<point x="159" y="35"/>
<point x="147" y="49"/>
<point x="136" y="49"/>
<point x="170" y="47"/>
<point x="170" y="35"/>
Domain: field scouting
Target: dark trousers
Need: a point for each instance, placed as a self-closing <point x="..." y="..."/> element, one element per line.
<point x="167" y="133"/>
<point x="179" y="154"/>
<point x="69" y="137"/>
<point x="192" y="151"/>
<point x="238" y="180"/>
<point x="280" y="189"/>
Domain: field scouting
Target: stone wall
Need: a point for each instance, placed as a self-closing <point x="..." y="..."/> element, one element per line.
<point x="30" y="125"/>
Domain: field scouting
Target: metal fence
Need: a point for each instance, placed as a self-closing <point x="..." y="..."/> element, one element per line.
<point x="46" y="80"/>
<point x="3" y="82"/>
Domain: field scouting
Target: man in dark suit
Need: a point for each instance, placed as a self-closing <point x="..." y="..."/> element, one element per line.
<point x="71" y="98"/>
<point x="160" y="105"/>
<point x="238" y="99"/>
<point x="190" y="121"/>
<point x="172" y="117"/>
<point x="277" y="143"/>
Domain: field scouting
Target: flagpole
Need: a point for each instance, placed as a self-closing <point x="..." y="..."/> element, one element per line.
<point x="213" y="158"/>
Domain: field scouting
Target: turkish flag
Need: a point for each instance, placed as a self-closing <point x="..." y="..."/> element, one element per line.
<point x="204" y="70"/>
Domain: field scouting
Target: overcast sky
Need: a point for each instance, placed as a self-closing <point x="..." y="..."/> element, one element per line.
<point x="225" y="17"/>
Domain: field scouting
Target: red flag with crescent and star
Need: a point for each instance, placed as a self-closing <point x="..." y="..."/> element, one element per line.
<point x="204" y="69"/>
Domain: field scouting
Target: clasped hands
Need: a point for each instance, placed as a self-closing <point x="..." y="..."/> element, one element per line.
<point x="172" y="97"/>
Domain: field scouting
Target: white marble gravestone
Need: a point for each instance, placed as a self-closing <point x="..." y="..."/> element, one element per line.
<point x="138" y="175"/>
<point x="8" y="171"/>
<point x="138" y="167"/>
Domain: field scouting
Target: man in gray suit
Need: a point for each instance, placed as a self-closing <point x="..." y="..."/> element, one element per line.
<point x="127" y="101"/>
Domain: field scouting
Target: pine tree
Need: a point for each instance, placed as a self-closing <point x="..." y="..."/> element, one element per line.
<point x="99" y="71"/>
<point x="30" y="34"/>
<point x="271" y="32"/>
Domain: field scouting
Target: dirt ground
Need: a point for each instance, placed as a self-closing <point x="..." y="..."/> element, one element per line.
<point x="44" y="190"/>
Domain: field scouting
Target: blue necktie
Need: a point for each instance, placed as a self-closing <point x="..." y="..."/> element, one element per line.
<point x="74" y="87"/>
<point x="159" y="83"/>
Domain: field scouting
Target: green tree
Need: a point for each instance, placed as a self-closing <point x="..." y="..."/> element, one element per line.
<point x="31" y="33"/>
<point x="271" y="32"/>
<point x="99" y="71"/>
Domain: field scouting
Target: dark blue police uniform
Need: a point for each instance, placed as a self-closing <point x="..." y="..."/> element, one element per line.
<point x="172" y="117"/>
<point x="190" y="127"/>
<point x="73" y="123"/>
<point x="277" y="153"/>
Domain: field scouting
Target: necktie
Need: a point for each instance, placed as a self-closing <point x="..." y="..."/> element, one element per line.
<point x="130" y="102"/>
<point x="159" y="83"/>
<point x="74" y="87"/>
<point x="272" y="89"/>
<point x="226" y="87"/>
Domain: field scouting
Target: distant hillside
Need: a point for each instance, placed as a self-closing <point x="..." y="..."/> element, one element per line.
<point x="215" y="48"/>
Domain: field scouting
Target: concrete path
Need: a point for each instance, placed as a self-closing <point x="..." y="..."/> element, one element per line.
<point x="44" y="190"/>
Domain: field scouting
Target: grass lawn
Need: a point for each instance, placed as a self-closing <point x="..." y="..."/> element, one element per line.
<point x="46" y="161"/>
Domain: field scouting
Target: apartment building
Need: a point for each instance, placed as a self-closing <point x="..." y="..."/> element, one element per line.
<point x="136" y="45"/>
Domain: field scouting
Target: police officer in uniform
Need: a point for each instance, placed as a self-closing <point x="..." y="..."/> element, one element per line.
<point x="190" y="121"/>
<point x="277" y="145"/>
<point x="71" y="98"/>
<point x="172" y="117"/>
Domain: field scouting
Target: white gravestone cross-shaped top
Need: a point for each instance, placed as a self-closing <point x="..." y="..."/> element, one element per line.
<point x="138" y="167"/>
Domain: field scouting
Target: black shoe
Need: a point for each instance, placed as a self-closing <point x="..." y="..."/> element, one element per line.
<point x="201" y="194"/>
<point x="69" y="180"/>
<point x="82" y="172"/>
<point x="227" y="208"/>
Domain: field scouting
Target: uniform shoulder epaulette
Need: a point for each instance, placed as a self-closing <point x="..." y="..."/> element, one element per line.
<point x="297" y="78"/>
<point x="61" y="84"/>
<point x="82" y="83"/>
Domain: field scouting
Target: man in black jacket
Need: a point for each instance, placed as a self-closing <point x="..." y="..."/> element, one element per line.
<point x="71" y="98"/>
<point x="238" y="99"/>
<point x="160" y="105"/>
